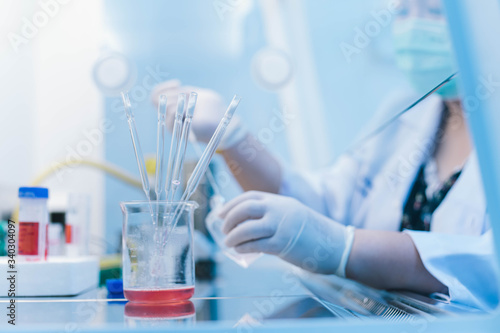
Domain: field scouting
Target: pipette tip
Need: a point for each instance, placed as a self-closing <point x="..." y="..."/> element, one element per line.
<point x="126" y="104"/>
<point x="181" y="102"/>
<point x="162" y="103"/>
<point x="125" y="99"/>
<point x="193" y="97"/>
<point x="232" y="106"/>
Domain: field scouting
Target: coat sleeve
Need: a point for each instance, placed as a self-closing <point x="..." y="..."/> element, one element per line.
<point x="328" y="192"/>
<point x="467" y="265"/>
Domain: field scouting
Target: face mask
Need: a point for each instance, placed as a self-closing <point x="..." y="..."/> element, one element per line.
<point x="424" y="53"/>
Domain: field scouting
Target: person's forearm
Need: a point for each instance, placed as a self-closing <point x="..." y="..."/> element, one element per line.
<point x="253" y="166"/>
<point x="389" y="260"/>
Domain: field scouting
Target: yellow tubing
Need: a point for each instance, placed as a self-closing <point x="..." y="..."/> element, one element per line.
<point x="106" y="167"/>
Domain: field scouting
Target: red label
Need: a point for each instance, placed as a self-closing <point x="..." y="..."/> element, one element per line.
<point x="28" y="238"/>
<point x="46" y="240"/>
<point x="69" y="234"/>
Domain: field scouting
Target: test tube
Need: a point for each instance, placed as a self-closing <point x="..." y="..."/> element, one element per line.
<point x="160" y="147"/>
<point x="202" y="165"/>
<point x="181" y="153"/>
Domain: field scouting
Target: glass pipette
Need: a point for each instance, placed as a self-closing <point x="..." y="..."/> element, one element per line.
<point x="202" y="165"/>
<point x="174" y="145"/>
<point x="209" y="174"/>
<point x="181" y="153"/>
<point x="137" y="146"/>
<point x="160" y="147"/>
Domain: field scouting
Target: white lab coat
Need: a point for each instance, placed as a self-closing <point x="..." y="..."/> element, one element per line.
<point x="368" y="188"/>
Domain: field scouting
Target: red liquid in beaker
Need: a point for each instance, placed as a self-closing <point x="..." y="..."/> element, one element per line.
<point x="158" y="295"/>
<point x="159" y="310"/>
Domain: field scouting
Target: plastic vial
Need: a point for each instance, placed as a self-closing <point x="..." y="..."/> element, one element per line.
<point x="77" y="225"/>
<point x="33" y="223"/>
<point x="56" y="245"/>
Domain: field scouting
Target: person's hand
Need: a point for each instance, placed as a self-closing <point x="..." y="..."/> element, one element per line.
<point x="282" y="226"/>
<point x="210" y="109"/>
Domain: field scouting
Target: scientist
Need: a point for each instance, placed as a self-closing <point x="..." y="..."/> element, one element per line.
<point x="406" y="210"/>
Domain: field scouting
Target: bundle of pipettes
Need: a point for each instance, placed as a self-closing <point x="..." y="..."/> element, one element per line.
<point x="167" y="183"/>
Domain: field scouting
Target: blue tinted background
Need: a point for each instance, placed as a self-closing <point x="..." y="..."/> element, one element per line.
<point x="189" y="41"/>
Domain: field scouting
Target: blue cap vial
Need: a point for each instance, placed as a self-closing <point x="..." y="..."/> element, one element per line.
<point x="34" y="192"/>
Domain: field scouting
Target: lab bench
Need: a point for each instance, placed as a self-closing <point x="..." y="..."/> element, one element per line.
<point x="269" y="294"/>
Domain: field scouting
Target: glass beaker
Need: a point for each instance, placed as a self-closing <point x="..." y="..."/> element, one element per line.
<point x="157" y="268"/>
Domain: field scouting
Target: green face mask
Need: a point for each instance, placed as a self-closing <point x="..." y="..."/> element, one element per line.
<point x="424" y="53"/>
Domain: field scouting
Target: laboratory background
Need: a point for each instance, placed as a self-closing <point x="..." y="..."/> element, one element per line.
<point x="312" y="76"/>
<point x="63" y="86"/>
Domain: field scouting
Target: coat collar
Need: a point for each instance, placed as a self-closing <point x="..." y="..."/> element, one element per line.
<point x="424" y="125"/>
<point x="419" y="129"/>
<point x="467" y="193"/>
<point x="397" y="156"/>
